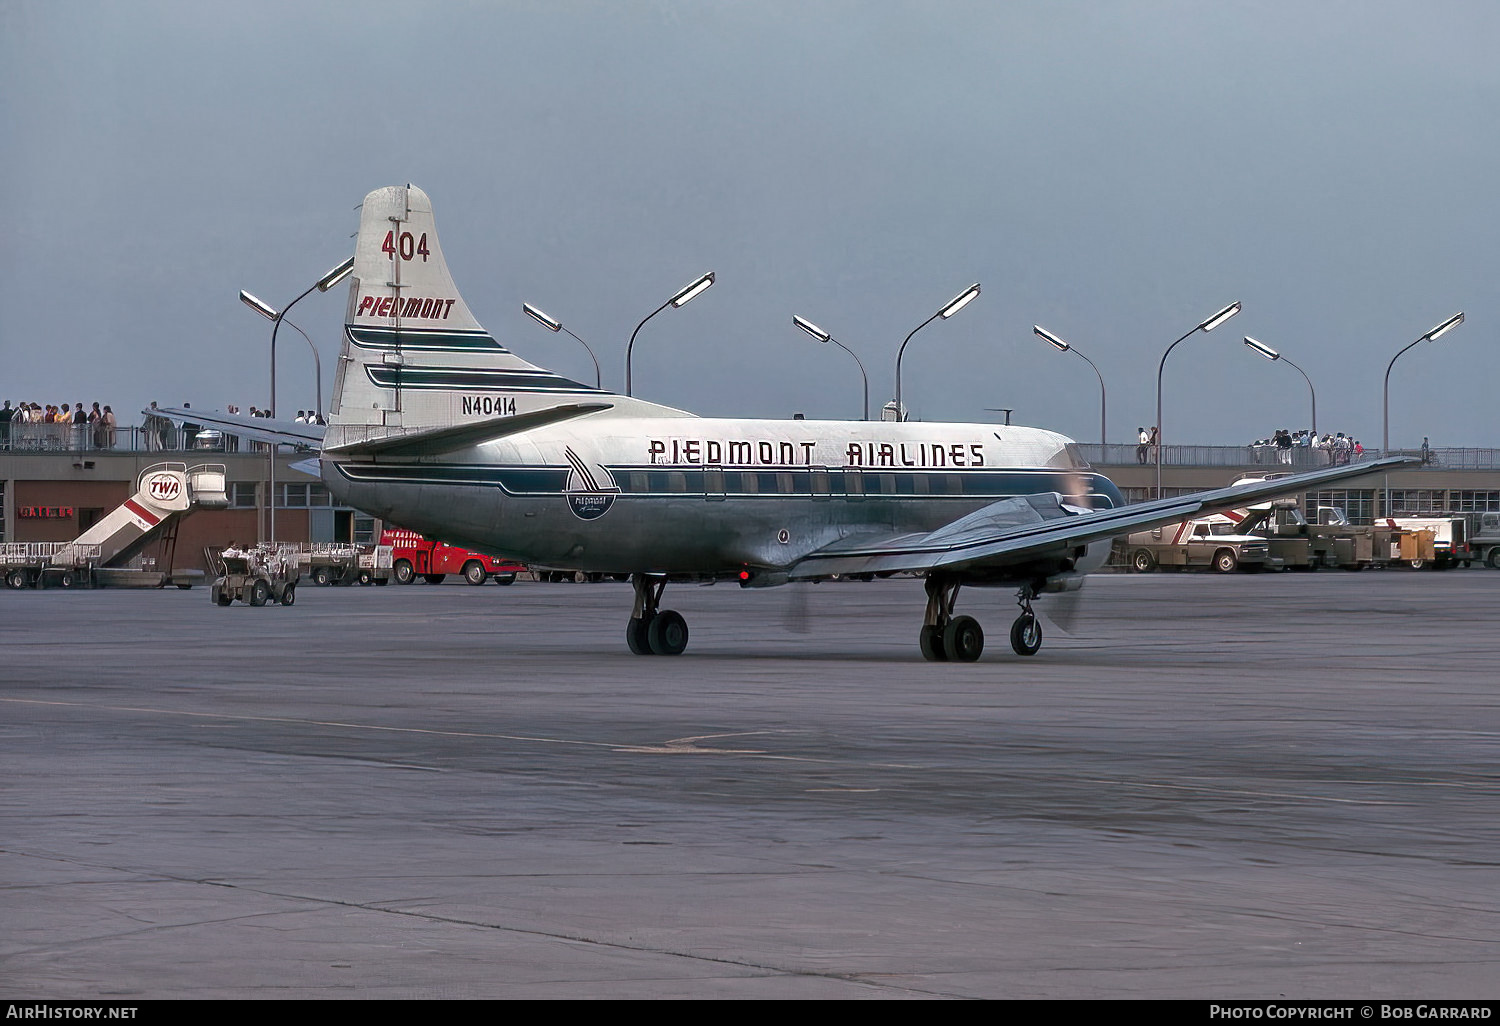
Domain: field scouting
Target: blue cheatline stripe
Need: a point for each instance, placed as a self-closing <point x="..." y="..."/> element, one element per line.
<point x="423" y="338"/>
<point x="514" y="480"/>
<point x="474" y="379"/>
<point x="677" y="481"/>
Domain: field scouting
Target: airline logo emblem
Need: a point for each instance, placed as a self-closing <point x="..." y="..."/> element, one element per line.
<point x="414" y="307"/>
<point x="164" y="487"/>
<point x="590" y="493"/>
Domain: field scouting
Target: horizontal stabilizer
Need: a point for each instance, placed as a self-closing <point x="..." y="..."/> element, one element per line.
<point x="254" y="429"/>
<point x="462" y="436"/>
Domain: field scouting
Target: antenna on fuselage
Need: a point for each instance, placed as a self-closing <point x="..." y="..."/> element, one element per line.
<point x="1000" y="409"/>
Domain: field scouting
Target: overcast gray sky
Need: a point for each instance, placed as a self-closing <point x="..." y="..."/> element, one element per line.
<point x="1115" y="172"/>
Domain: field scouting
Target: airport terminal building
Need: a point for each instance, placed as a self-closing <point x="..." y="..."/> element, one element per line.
<point x="52" y="491"/>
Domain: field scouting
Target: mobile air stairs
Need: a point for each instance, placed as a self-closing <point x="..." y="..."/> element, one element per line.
<point x="166" y="493"/>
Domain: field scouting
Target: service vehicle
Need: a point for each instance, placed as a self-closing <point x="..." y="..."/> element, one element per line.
<point x="1450" y="541"/>
<point x="1298" y="544"/>
<point x="1215" y="541"/>
<point x="258" y="576"/>
<point x="413" y="556"/>
<point x="332" y="563"/>
<point x="1484" y="540"/>
<point x="47" y="564"/>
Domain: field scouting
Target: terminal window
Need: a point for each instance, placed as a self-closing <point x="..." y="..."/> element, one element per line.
<point x="1470" y="500"/>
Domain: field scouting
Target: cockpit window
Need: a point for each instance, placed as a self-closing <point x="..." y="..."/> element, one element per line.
<point x="1069" y="457"/>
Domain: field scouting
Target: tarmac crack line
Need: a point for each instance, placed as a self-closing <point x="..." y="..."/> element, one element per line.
<point x="863" y="979"/>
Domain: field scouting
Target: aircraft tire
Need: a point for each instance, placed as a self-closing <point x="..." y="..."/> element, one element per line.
<point x="404" y="572"/>
<point x="1226" y="562"/>
<point x="289" y="595"/>
<point x="931" y="643"/>
<point x="473" y="572"/>
<point x="1142" y="562"/>
<point x="1026" y="635"/>
<point x="637" y="635"/>
<point x="963" y="639"/>
<point x="668" y="633"/>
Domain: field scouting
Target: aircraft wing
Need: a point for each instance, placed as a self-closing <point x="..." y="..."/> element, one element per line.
<point x="256" y="429"/>
<point x="1024" y="528"/>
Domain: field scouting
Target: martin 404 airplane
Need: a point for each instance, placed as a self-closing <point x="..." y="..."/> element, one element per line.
<point x="438" y="427"/>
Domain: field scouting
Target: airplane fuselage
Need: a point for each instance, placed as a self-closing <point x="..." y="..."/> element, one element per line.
<point x="700" y="496"/>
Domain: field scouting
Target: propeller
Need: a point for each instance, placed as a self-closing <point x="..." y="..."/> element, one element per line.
<point x="795" y="614"/>
<point x="1063" y="610"/>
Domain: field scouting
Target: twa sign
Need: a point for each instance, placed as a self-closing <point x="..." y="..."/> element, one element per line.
<point x="163" y="487"/>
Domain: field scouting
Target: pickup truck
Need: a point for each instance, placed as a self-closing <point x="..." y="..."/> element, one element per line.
<point x="1209" y="542"/>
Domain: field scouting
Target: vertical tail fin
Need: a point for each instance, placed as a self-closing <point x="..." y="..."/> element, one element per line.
<point x="413" y="354"/>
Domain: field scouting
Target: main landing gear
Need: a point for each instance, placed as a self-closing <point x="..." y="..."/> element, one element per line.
<point x="651" y="630"/>
<point x="960" y="639"/>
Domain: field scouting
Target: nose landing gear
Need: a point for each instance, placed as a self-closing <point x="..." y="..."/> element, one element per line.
<point x="1026" y="632"/>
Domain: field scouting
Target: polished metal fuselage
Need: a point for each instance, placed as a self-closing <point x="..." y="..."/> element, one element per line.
<point x="708" y="497"/>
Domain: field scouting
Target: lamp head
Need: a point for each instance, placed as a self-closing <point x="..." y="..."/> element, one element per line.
<point x="1220" y="317"/>
<point x="1445" y="327"/>
<point x="551" y="324"/>
<point x="264" y="309"/>
<point x="959" y="301"/>
<point x="1262" y="349"/>
<point x="336" y="275"/>
<point x="687" y="292"/>
<point x="811" y="328"/>
<point x="1047" y="336"/>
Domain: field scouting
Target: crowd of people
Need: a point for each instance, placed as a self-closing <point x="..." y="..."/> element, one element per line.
<point x="1283" y="446"/>
<point x="57" y="427"/>
<point x="29" y="425"/>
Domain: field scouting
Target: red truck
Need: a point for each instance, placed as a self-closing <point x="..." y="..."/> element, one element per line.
<point x="414" y="556"/>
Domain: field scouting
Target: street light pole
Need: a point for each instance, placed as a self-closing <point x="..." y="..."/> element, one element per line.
<point x="323" y="284"/>
<point x="823" y="336"/>
<point x="1273" y="356"/>
<point x="554" y="325"/>
<point x="684" y="294"/>
<point x="1047" y="336"/>
<point x="1204" y="326"/>
<point x="950" y="308"/>
<point x="1385" y="403"/>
